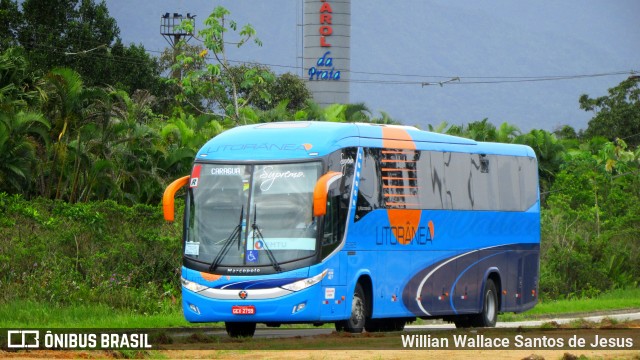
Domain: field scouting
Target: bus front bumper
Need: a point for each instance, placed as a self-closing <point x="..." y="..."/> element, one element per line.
<point x="298" y="306"/>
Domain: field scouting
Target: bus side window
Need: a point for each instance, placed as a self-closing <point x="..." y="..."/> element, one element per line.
<point x="484" y="184"/>
<point x="509" y="180"/>
<point x="370" y="187"/>
<point x="335" y="220"/>
<point x="457" y="172"/>
<point x="334" y="223"/>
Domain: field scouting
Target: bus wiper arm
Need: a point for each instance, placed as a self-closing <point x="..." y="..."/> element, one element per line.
<point x="237" y="232"/>
<point x="256" y="231"/>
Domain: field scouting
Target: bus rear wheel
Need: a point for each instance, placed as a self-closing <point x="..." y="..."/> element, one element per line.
<point x="489" y="314"/>
<point x="359" y="307"/>
<point x="240" y="329"/>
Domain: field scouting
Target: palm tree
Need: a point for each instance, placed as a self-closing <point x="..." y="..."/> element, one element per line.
<point x="357" y="112"/>
<point x="22" y="131"/>
<point x="20" y="135"/>
<point x="549" y="151"/>
<point x="481" y="130"/>
<point x="64" y="107"/>
<point x="507" y="133"/>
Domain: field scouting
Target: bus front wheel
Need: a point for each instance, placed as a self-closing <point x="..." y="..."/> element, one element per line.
<point x="240" y="329"/>
<point x="356" y="322"/>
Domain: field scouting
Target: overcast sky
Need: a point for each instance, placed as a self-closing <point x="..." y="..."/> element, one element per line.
<point x="400" y="44"/>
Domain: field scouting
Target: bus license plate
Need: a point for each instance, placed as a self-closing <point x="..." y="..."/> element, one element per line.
<point x="243" y="310"/>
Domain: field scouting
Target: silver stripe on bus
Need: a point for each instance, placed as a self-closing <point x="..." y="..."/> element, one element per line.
<point x="424" y="280"/>
<point x="256" y="294"/>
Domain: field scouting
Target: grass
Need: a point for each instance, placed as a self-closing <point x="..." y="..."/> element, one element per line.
<point x="27" y="314"/>
<point x="33" y="315"/>
<point x="614" y="300"/>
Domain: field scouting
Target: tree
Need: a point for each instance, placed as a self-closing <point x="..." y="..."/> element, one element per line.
<point x="549" y="152"/>
<point x="20" y="136"/>
<point x="227" y="90"/>
<point x="54" y="29"/>
<point x="131" y="68"/>
<point x="10" y="21"/>
<point x="617" y="115"/>
<point x="287" y="87"/>
<point x="22" y="130"/>
<point x="65" y="108"/>
<point x="507" y="133"/>
<point x="81" y="35"/>
<point x="481" y="130"/>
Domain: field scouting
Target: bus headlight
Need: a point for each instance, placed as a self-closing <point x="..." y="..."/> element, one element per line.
<point x="195" y="287"/>
<point x="303" y="284"/>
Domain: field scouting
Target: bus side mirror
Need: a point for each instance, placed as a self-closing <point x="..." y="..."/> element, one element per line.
<point x="168" y="199"/>
<point x="321" y="190"/>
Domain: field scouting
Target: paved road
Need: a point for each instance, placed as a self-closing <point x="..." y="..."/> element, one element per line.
<point x="277" y="332"/>
<point x="262" y="332"/>
<point x="535" y="323"/>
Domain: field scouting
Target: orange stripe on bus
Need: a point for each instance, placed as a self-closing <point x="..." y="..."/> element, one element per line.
<point x="399" y="169"/>
<point x="397" y="138"/>
<point x="405" y="219"/>
<point x="397" y="178"/>
<point x="397" y="152"/>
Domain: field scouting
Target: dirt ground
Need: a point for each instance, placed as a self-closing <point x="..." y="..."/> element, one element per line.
<point x="334" y="355"/>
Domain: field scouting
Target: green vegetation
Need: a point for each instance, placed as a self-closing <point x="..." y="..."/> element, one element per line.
<point x="91" y="132"/>
<point x="619" y="299"/>
<point x="32" y="314"/>
<point x="44" y="314"/>
<point x="126" y="258"/>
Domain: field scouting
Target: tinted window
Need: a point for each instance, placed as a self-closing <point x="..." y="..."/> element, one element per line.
<point x="509" y="183"/>
<point x="409" y="179"/>
<point x="457" y="173"/>
<point x="369" y="189"/>
<point x="335" y="221"/>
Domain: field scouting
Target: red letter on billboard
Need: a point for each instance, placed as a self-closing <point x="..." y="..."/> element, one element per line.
<point x="323" y="42"/>
<point x="326" y="7"/>
<point x="325" y="19"/>
<point x="326" y="30"/>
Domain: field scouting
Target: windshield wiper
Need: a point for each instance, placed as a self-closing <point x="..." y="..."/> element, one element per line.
<point x="256" y="230"/>
<point x="237" y="232"/>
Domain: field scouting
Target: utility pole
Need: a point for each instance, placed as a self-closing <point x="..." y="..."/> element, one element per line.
<point x="171" y="31"/>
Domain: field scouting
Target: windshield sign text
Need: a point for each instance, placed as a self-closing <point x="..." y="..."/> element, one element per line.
<point x="269" y="176"/>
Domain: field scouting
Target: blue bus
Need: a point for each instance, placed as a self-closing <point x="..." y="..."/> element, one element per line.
<point x="365" y="226"/>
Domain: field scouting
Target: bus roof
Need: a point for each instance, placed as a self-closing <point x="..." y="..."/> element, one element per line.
<point x="298" y="140"/>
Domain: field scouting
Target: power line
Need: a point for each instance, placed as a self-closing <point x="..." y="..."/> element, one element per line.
<point x="453" y="80"/>
<point x="464" y="80"/>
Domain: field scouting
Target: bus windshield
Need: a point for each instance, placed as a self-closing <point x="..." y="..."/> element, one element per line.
<point x="251" y="215"/>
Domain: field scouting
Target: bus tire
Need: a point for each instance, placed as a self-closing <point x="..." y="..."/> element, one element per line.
<point x="240" y="329"/>
<point x="489" y="314"/>
<point x="359" y="307"/>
